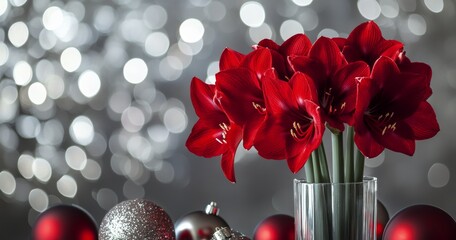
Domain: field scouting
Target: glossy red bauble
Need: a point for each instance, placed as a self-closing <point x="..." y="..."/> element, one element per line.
<point x="276" y="227"/>
<point x="421" y="222"/>
<point x="64" y="222"/>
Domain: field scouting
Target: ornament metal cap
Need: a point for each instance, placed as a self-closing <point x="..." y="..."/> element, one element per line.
<point x="221" y="234"/>
<point x="212" y="209"/>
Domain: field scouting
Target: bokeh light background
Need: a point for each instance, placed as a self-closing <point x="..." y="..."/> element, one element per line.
<point x="94" y="103"/>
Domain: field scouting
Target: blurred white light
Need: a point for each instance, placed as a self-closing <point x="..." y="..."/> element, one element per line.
<point x="92" y="170"/>
<point x="38" y="200"/>
<point x="22" y="73"/>
<point x="166" y="173"/>
<point x="3" y="6"/>
<point x="417" y="24"/>
<point x="328" y="32"/>
<point x="133" y="119"/>
<point x="55" y="86"/>
<point x="434" y="5"/>
<point x="37" y="93"/>
<point x="140" y="148"/>
<point x="76" y="158"/>
<point x="67" y="186"/>
<point x="131" y="190"/>
<point x="52" y="18"/>
<point x="89" y="83"/>
<point x="252" y="14"/>
<point x="302" y="3"/>
<point x="157" y="44"/>
<point x="259" y="33"/>
<point x="289" y="28"/>
<point x="7" y="182"/>
<point x="390" y="8"/>
<point x="191" y="30"/>
<point x="42" y="169"/>
<point x="18" y="3"/>
<point x="24" y="165"/>
<point x="155" y="17"/>
<point x="175" y="120"/>
<point x="28" y="126"/>
<point x="18" y="34"/>
<point x="104" y="18"/>
<point x="4" y="53"/>
<point x="47" y="39"/>
<point x="106" y="198"/>
<point x="215" y="11"/>
<point x="158" y="133"/>
<point x="119" y="101"/>
<point x="308" y="18"/>
<point x="369" y="9"/>
<point x="135" y="70"/>
<point x="70" y="59"/>
<point x="170" y="68"/>
<point x="81" y="130"/>
<point x="438" y="175"/>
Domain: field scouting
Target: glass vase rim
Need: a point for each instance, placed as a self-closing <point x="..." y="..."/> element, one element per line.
<point x="366" y="179"/>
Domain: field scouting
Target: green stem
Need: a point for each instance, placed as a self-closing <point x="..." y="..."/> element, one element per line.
<point x="359" y="166"/>
<point x="308" y="168"/>
<point x="338" y="158"/>
<point x="316" y="166"/>
<point x="324" y="163"/>
<point x="349" y="159"/>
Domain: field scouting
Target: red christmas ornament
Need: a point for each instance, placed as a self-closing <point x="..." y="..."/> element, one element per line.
<point x="382" y="219"/>
<point x="276" y="227"/>
<point x="421" y="222"/>
<point x="64" y="222"/>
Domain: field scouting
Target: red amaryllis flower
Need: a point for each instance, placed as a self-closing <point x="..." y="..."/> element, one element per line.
<point x="293" y="120"/>
<point x="240" y="94"/>
<point x="297" y="45"/>
<point x="230" y="59"/>
<point x="391" y="111"/>
<point x="213" y="134"/>
<point x="335" y="80"/>
<point x="366" y="43"/>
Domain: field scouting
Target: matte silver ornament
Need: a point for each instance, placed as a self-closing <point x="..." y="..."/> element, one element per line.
<point x="200" y="225"/>
<point x="136" y="220"/>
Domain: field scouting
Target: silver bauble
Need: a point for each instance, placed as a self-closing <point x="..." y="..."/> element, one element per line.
<point x="136" y="220"/>
<point x="200" y="225"/>
<point x="228" y="234"/>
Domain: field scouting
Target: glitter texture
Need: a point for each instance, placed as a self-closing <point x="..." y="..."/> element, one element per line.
<point x="135" y="220"/>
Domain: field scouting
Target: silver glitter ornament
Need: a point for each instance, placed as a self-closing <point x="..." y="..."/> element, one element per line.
<point x="228" y="234"/>
<point x="136" y="220"/>
<point x="200" y="225"/>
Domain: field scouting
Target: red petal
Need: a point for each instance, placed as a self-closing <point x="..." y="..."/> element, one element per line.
<point x="421" y="69"/>
<point x="366" y="36"/>
<point x="303" y="88"/>
<point x="278" y="96"/>
<point x="202" y="140"/>
<point x="366" y="89"/>
<point x="388" y="48"/>
<point x="423" y="122"/>
<point x="230" y="59"/>
<point x="340" y="42"/>
<point x="250" y="130"/>
<point x="202" y="96"/>
<point x="227" y="164"/>
<point x="258" y="61"/>
<point x="270" y="142"/>
<point x="298" y="44"/>
<point x="367" y="144"/>
<point x="238" y="90"/>
<point x="395" y="140"/>
<point x="311" y="67"/>
<point x="328" y="53"/>
<point x="268" y="43"/>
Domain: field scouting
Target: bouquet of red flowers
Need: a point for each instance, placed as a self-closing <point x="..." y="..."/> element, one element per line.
<point x="280" y="99"/>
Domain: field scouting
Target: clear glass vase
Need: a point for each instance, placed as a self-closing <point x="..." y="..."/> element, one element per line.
<point x="336" y="211"/>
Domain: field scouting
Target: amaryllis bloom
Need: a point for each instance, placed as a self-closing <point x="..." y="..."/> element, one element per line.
<point x="213" y="134"/>
<point x="335" y="80"/>
<point x="391" y="110"/>
<point x="366" y="43"/>
<point x="240" y="94"/>
<point x="293" y="121"/>
<point x="297" y="45"/>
